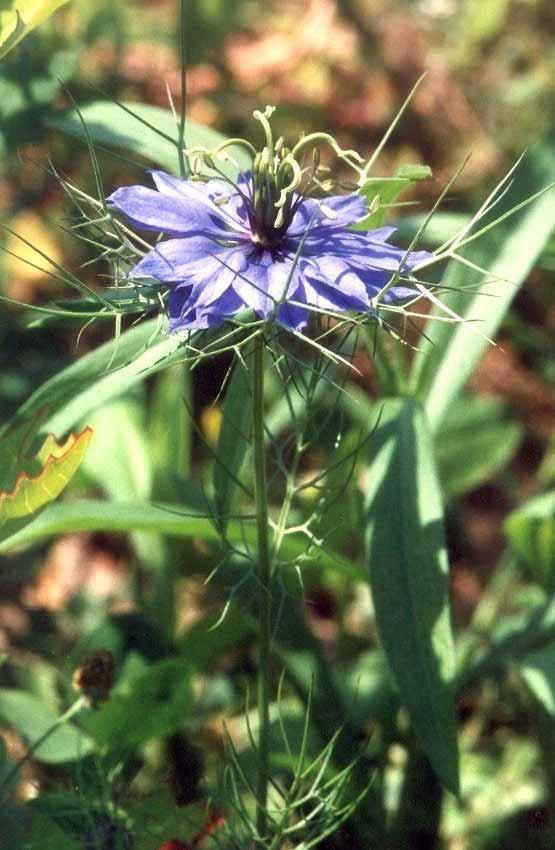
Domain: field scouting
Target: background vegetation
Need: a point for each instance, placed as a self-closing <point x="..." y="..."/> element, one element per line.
<point x="140" y="770"/>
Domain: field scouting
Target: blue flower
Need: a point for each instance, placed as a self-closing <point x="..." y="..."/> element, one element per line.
<point x="228" y="250"/>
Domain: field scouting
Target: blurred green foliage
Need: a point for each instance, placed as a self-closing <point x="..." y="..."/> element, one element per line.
<point x="344" y="66"/>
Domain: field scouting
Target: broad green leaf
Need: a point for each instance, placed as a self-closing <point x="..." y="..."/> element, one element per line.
<point x="111" y="126"/>
<point x="153" y="704"/>
<point x="43" y="833"/>
<point x="63" y="401"/>
<point x="44" y="477"/>
<point x="382" y="192"/>
<point x="508" y="252"/>
<point x="19" y="17"/>
<point x="233" y="440"/>
<point x="531" y="533"/>
<point x="177" y="520"/>
<point x="538" y="671"/>
<point x="408" y="576"/>
<point x="32" y="717"/>
<point x="475" y="440"/>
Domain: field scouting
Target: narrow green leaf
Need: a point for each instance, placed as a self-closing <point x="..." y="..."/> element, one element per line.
<point x="233" y="441"/>
<point x="110" y="125"/>
<point x="31" y="717"/>
<point x="170" y="444"/>
<point x="63" y="401"/>
<point x="177" y="520"/>
<point x="408" y="575"/>
<point x="508" y="252"/>
<point x="531" y="533"/>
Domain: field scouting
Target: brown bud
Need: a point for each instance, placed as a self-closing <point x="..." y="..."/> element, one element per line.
<point x="94" y="678"/>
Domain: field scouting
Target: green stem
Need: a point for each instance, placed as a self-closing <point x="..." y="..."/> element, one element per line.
<point x="264" y="593"/>
<point x="74" y="709"/>
<point x="183" y="162"/>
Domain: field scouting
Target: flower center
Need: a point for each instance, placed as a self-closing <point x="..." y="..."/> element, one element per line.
<point x="276" y="175"/>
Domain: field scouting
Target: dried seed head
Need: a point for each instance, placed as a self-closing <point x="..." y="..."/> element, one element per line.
<point x="94" y="678"/>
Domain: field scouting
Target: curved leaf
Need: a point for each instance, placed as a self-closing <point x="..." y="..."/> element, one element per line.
<point x="508" y="252"/>
<point x="31" y="717"/>
<point x="19" y="17"/>
<point x="408" y="574"/>
<point x="175" y="520"/>
<point x="152" y="133"/>
<point x="64" y="400"/>
<point x="531" y="532"/>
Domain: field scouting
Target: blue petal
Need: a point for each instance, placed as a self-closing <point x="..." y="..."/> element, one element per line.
<point x="337" y="211"/>
<point x="151" y="210"/>
<point x="180" y="259"/>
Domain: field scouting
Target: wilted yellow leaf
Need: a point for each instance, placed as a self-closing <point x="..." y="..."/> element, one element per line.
<point x="58" y="463"/>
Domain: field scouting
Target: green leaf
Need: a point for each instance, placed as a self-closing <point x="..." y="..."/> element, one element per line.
<point x="110" y="125"/>
<point x="538" y="671"/>
<point x="474" y="442"/>
<point x="508" y="252"/>
<point x="63" y="401"/>
<point x="531" y="533"/>
<point x="408" y="575"/>
<point x="152" y="705"/>
<point x="44" y="477"/>
<point x="157" y="816"/>
<point x="19" y="17"/>
<point x="118" y="456"/>
<point x="382" y="192"/>
<point x="170" y="448"/>
<point x="177" y="520"/>
<point x="43" y="833"/>
<point x="32" y="717"/>
<point x="233" y="440"/>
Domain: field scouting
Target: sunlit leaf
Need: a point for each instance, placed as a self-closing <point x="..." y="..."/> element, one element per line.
<point x="19" y="17"/>
<point x="111" y="126"/>
<point x="538" y="671"/>
<point x="381" y="192"/>
<point x="408" y="575"/>
<point x="31" y="717"/>
<point x="531" y="532"/>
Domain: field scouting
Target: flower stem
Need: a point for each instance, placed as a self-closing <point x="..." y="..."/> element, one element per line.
<point x="264" y="593"/>
<point x="183" y="161"/>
